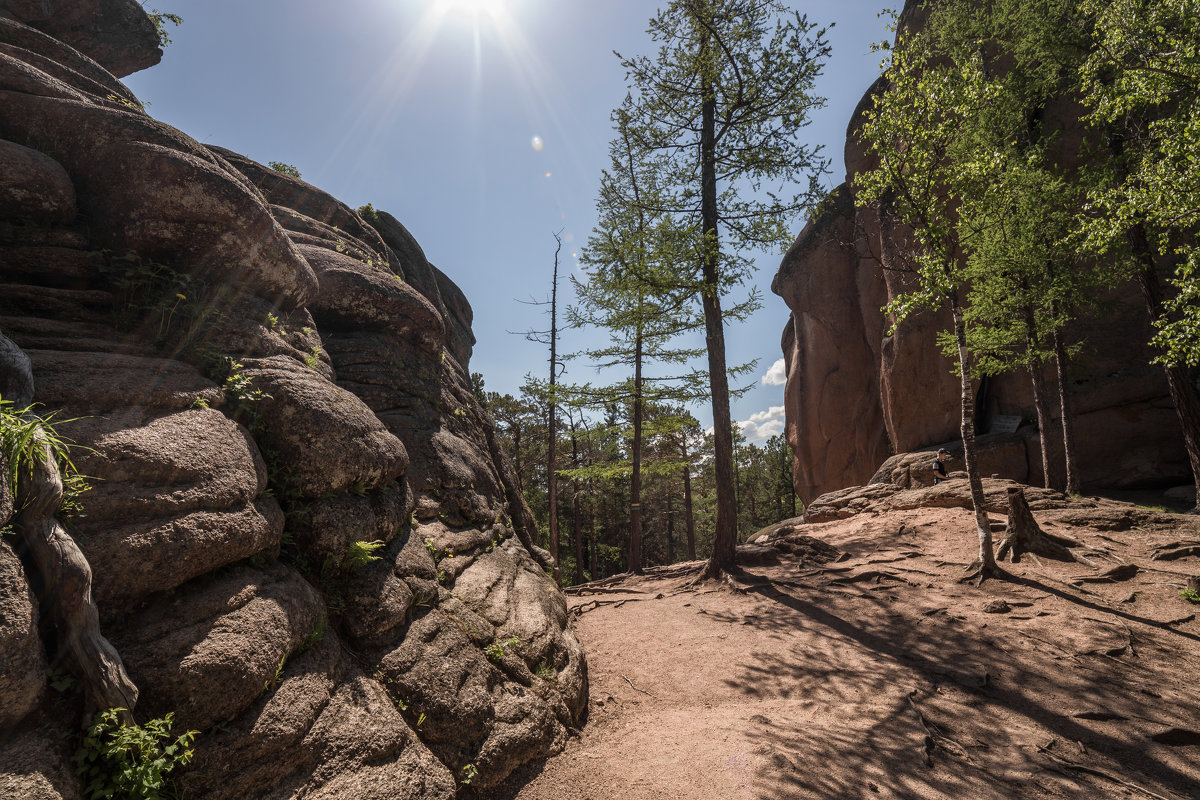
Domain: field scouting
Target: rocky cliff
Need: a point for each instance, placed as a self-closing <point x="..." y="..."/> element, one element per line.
<point x="300" y="535"/>
<point x="856" y="394"/>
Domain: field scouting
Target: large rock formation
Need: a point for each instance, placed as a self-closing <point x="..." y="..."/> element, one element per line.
<point x="302" y="538"/>
<point x="856" y="393"/>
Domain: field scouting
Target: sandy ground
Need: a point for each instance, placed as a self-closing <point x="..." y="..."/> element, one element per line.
<point x="881" y="676"/>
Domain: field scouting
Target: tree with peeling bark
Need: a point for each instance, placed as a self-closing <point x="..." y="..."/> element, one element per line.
<point x="915" y="128"/>
<point x="719" y="110"/>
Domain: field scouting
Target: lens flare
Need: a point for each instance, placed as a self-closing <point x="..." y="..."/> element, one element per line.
<point x="537" y="144"/>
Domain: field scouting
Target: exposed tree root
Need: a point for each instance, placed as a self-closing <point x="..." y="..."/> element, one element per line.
<point x="1101" y="774"/>
<point x="67" y="578"/>
<point x="1024" y="535"/>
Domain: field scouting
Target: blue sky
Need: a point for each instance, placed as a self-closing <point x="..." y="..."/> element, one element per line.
<point x="429" y="109"/>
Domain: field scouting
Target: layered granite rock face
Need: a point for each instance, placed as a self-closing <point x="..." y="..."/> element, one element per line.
<point x="855" y="393"/>
<point x="304" y="541"/>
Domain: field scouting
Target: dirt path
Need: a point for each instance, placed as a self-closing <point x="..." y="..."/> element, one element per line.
<point x="880" y="676"/>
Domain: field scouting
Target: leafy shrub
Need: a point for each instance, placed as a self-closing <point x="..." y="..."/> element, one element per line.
<point x="284" y="169"/>
<point x="495" y="650"/>
<point x="131" y="762"/>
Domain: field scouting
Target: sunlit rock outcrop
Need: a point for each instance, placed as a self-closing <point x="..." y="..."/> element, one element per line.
<point x="303" y="539"/>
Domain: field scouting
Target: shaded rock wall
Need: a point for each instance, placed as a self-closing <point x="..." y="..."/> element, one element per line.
<point x="856" y="394"/>
<point x="259" y="379"/>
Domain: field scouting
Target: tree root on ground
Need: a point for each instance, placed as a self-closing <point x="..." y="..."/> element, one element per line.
<point x="1024" y="535"/>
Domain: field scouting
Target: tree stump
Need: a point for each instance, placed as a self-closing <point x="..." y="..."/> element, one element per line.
<point x="1024" y="535"/>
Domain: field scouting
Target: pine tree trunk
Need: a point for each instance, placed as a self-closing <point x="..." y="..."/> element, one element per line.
<point x="670" y="530"/>
<point x="1183" y="393"/>
<point x="1064" y="409"/>
<point x="635" y="479"/>
<point x="986" y="559"/>
<point x="576" y="519"/>
<point x="688" y="520"/>
<point x="725" y="532"/>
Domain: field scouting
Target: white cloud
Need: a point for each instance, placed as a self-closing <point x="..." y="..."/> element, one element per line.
<point x="776" y="375"/>
<point x="763" y="425"/>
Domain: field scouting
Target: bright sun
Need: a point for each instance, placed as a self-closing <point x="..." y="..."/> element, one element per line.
<point x="470" y="8"/>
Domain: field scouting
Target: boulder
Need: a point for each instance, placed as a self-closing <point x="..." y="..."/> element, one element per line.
<point x="116" y="33"/>
<point x="23" y="680"/>
<point x="34" y="187"/>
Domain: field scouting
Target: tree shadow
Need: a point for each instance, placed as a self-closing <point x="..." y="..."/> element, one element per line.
<point x="865" y="695"/>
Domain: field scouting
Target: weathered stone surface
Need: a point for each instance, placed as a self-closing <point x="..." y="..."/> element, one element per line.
<point x="116" y="33"/>
<point x="324" y="727"/>
<point x="955" y="492"/>
<point x="325" y="434"/>
<point x="35" y="758"/>
<point x="24" y="676"/>
<point x="34" y="187"/>
<point x="354" y="294"/>
<point x="90" y="382"/>
<point x="28" y="45"/>
<point x="832" y="391"/>
<point x="211" y="652"/>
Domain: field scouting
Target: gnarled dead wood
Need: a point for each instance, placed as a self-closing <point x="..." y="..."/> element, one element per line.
<point x="67" y="578"/>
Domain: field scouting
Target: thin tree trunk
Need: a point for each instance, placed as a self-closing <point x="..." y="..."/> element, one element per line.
<point x="575" y="510"/>
<point x="1183" y="393"/>
<point x="725" y="532"/>
<point x="635" y="479"/>
<point x="986" y="559"/>
<point x="551" y="460"/>
<point x="1040" y="405"/>
<point x="1064" y="409"/>
<point x="689" y="521"/>
<point x="670" y="528"/>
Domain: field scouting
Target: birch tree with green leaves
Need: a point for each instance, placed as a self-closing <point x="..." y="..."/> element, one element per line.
<point x="720" y="109"/>
<point x="926" y="166"/>
<point x="1141" y="83"/>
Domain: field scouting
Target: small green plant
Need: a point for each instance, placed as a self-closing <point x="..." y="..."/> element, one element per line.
<point x="27" y="439"/>
<point x="368" y="213"/>
<point x="359" y="554"/>
<point x="125" y="101"/>
<point x="199" y="402"/>
<point x="1191" y="595"/>
<point x="442" y="576"/>
<point x="313" y="357"/>
<point x="60" y="680"/>
<point x="420" y="720"/>
<point x="132" y="762"/>
<point x="469" y="773"/>
<point x="431" y="547"/>
<point x="313" y="638"/>
<point x="273" y="681"/>
<point x="272" y="320"/>
<point x="284" y="169"/>
<point x="160" y="21"/>
<point x="495" y="650"/>
<point x="546" y="672"/>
